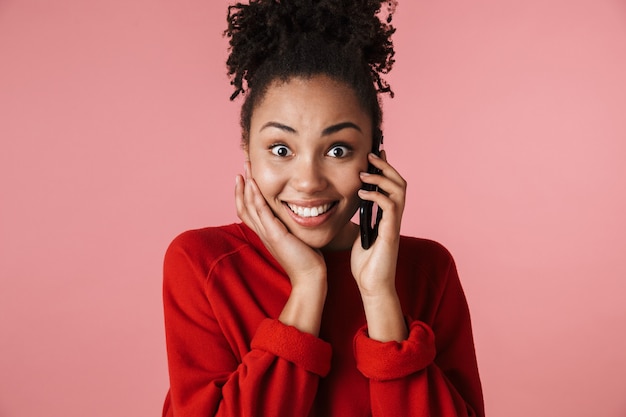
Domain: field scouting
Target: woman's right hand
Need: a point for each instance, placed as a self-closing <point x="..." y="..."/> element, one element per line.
<point x="304" y="265"/>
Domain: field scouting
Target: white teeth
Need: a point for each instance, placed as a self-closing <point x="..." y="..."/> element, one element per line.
<point x="309" y="211"/>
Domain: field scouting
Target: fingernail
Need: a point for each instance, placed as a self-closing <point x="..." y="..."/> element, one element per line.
<point x="374" y="155"/>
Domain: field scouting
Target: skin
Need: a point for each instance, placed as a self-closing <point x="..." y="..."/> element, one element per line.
<point x="309" y="145"/>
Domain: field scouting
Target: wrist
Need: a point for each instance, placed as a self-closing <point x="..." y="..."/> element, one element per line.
<point x="309" y="291"/>
<point x="379" y="291"/>
<point x="310" y="283"/>
<point x="305" y="305"/>
<point x="385" y="320"/>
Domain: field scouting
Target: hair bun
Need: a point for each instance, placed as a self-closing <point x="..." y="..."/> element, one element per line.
<point x="264" y="29"/>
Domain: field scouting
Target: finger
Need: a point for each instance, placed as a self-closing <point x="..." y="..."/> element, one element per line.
<point x="250" y="203"/>
<point x="239" y="195"/>
<point x="246" y="201"/>
<point x="247" y="169"/>
<point x="272" y="226"/>
<point x="242" y="209"/>
<point x="267" y="225"/>
<point x="255" y="197"/>
<point x="391" y="201"/>
<point x="387" y="170"/>
<point x="389" y="205"/>
<point x="388" y="180"/>
<point x="248" y="194"/>
<point x="387" y="186"/>
<point x="257" y="202"/>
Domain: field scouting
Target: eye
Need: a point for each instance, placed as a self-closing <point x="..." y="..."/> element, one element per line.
<point x="280" y="150"/>
<point x="338" y="151"/>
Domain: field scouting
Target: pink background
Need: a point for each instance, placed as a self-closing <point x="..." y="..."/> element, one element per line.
<point x="117" y="133"/>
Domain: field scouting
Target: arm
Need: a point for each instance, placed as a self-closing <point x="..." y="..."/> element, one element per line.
<point x="277" y="376"/>
<point x="433" y="372"/>
<point x="280" y="373"/>
<point x="375" y="269"/>
<point x="412" y="373"/>
<point x="304" y="266"/>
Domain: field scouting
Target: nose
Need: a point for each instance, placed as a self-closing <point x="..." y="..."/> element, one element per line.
<point x="308" y="176"/>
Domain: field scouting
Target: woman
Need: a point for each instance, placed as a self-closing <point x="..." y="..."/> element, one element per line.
<point x="285" y="314"/>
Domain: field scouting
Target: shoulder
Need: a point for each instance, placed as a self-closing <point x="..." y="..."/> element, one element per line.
<point x="425" y="272"/>
<point x="218" y="236"/>
<point x="427" y="259"/>
<point x="206" y="245"/>
<point x="424" y="251"/>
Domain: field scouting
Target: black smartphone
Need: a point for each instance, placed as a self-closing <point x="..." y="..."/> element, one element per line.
<point x="369" y="210"/>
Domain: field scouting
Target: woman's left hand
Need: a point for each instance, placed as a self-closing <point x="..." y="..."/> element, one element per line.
<point x="374" y="269"/>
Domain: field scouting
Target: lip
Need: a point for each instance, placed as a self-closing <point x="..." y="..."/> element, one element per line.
<point x="310" y="221"/>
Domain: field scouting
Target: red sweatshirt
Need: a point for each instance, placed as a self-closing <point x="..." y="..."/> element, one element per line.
<point x="228" y="354"/>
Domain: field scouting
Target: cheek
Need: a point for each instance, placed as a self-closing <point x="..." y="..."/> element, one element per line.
<point x="269" y="180"/>
<point x="351" y="182"/>
<point x="353" y="185"/>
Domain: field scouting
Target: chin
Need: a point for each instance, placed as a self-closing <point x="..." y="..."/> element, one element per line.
<point x="319" y="239"/>
<point x="315" y="240"/>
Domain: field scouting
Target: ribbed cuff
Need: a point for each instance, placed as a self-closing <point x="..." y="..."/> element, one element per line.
<point x="303" y="349"/>
<point x="383" y="361"/>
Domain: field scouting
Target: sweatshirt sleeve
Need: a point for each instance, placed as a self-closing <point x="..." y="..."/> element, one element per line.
<point x="277" y="375"/>
<point x="432" y="373"/>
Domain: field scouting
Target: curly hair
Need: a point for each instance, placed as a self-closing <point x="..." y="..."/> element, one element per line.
<point x="348" y="40"/>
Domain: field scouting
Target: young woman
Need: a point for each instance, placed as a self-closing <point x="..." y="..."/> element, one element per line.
<point x="285" y="314"/>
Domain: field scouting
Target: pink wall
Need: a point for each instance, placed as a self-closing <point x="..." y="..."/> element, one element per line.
<point x="116" y="134"/>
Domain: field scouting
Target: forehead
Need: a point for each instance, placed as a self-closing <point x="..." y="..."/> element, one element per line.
<point x="317" y="99"/>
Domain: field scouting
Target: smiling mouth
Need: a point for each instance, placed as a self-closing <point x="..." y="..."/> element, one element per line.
<point x="310" y="211"/>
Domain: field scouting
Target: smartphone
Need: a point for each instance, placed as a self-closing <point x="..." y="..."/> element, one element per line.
<point x="370" y="211"/>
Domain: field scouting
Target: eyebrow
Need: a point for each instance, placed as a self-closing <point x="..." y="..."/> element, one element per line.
<point x="327" y="131"/>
